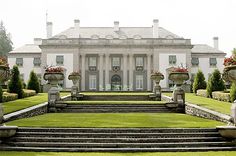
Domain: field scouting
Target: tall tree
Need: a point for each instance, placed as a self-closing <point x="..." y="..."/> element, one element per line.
<point x="5" y="41"/>
<point x="199" y="81"/>
<point x="15" y="84"/>
<point x="33" y="82"/>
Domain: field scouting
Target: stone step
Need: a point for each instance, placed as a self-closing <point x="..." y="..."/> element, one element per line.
<point x="119" y="130"/>
<point x="176" y="149"/>
<point x="117" y="135"/>
<point x="112" y="110"/>
<point x="116" y="140"/>
<point x="116" y="106"/>
<point x="117" y="97"/>
<point x="119" y="145"/>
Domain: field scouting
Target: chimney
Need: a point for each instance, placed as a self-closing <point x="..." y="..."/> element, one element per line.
<point x="116" y="25"/>
<point x="37" y="41"/>
<point x="77" y="24"/>
<point x="155" y="28"/>
<point x="49" y="29"/>
<point x="216" y="42"/>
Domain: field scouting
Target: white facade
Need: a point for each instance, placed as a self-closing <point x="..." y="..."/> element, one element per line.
<point x="117" y="58"/>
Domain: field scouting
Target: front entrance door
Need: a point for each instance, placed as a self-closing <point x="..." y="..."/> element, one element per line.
<point x="115" y="83"/>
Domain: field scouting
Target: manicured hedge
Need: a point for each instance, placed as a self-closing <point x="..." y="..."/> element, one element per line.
<point x="28" y="93"/>
<point x="202" y="92"/>
<point x="9" y="97"/>
<point x="221" y="96"/>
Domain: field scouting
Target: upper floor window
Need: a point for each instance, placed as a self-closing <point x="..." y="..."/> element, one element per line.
<point x="92" y="61"/>
<point x="139" y="63"/>
<point x="172" y="59"/>
<point x="115" y="61"/>
<point x="195" y="61"/>
<point x="37" y="61"/>
<point x="60" y="60"/>
<point x="19" y="62"/>
<point x="213" y="62"/>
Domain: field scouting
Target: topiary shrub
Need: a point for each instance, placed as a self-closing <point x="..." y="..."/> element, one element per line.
<point x="199" y="82"/>
<point x="215" y="83"/>
<point x="233" y="92"/>
<point x="33" y="83"/>
<point x="1" y="92"/>
<point x="15" y="84"/>
<point x="201" y="92"/>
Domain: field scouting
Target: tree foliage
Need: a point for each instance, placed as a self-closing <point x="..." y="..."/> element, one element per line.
<point x="199" y="82"/>
<point x="15" y="84"/>
<point x="33" y="82"/>
<point x="215" y="83"/>
<point x="5" y="41"/>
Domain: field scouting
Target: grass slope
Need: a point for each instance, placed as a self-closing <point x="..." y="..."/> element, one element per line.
<point x="167" y="120"/>
<point x="223" y="153"/>
<point x="219" y="106"/>
<point x="19" y="104"/>
<point x="115" y="102"/>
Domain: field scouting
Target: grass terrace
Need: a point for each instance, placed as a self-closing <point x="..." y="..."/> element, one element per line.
<point x="221" y="153"/>
<point x="219" y="106"/>
<point x="165" y="120"/>
<point x="19" y="104"/>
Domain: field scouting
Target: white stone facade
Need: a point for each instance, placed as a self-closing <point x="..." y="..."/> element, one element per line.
<point x="118" y="58"/>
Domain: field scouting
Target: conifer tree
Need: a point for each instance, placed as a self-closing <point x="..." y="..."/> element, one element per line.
<point x="33" y="82"/>
<point x="15" y="84"/>
<point x="199" y="81"/>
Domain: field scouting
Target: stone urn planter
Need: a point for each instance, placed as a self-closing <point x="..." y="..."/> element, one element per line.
<point x="178" y="76"/>
<point x="75" y="77"/>
<point x="53" y="75"/>
<point x="156" y="77"/>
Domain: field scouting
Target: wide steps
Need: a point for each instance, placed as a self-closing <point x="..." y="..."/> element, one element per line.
<point x="117" y="140"/>
<point x="116" y="97"/>
<point x="120" y="108"/>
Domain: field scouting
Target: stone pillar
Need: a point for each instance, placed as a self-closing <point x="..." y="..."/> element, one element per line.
<point x="131" y="72"/>
<point x="101" y="88"/>
<point x="149" y="72"/>
<point x="125" y="85"/>
<point x="83" y="66"/>
<point x="155" y="60"/>
<point x="107" y="84"/>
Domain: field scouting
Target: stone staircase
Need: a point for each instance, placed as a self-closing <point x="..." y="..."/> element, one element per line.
<point x="116" y="108"/>
<point x="117" y="139"/>
<point x="116" y="97"/>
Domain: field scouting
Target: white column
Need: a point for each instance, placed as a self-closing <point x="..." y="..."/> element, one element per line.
<point x="107" y="84"/>
<point x="148" y="72"/>
<point x="131" y="72"/>
<point x="155" y="60"/>
<point x="101" y="72"/>
<point x="125" y="85"/>
<point x="83" y="66"/>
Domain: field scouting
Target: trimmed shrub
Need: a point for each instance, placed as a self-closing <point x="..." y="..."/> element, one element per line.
<point x="215" y="83"/>
<point x="202" y="92"/>
<point x="221" y="96"/>
<point x="1" y="93"/>
<point x="33" y="83"/>
<point x="199" y="82"/>
<point x="233" y="92"/>
<point x="9" y="97"/>
<point x="28" y="93"/>
<point x="15" y="84"/>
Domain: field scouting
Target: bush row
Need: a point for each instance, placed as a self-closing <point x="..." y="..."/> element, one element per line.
<point x="9" y="97"/>
<point x="28" y="93"/>
<point x="202" y="92"/>
<point x="221" y="96"/>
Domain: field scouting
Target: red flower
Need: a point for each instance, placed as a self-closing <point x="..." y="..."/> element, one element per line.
<point x="180" y="69"/>
<point x="54" y="70"/>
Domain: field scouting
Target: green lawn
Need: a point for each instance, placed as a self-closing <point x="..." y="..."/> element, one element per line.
<point x="116" y="93"/>
<point x="115" y="120"/>
<point x="115" y="102"/>
<point x="19" y="104"/>
<point x="219" y="106"/>
<point x="221" y="153"/>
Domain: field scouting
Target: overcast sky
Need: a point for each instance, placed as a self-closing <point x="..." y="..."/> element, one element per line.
<point x="198" y="20"/>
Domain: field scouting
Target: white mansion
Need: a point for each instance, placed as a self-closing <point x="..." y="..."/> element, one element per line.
<point x="115" y="58"/>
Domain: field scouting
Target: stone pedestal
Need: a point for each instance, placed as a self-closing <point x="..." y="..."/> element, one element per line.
<point x="233" y="112"/>
<point x="1" y="114"/>
<point x="157" y="77"/>
<point x="157" y="92"/>
<point x="74" y="92"/>
<point x="179" y="98"/>
<point x="53" y="96"/>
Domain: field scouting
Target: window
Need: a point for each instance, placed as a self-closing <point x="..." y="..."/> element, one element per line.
<point x="116" y="61"/>
<point x="195" y="61"/>
<point x="139" y="82"/>
<point x="92" y="82"/>
<point x="60" y="60"/>
<point x="172" y="59"/>
<point x="92" y="61"/>
<point x="139" y="61"/>
<point x="19" y="62"/>
<point x="37" y="61"/>
<point x="213" y="61"/>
